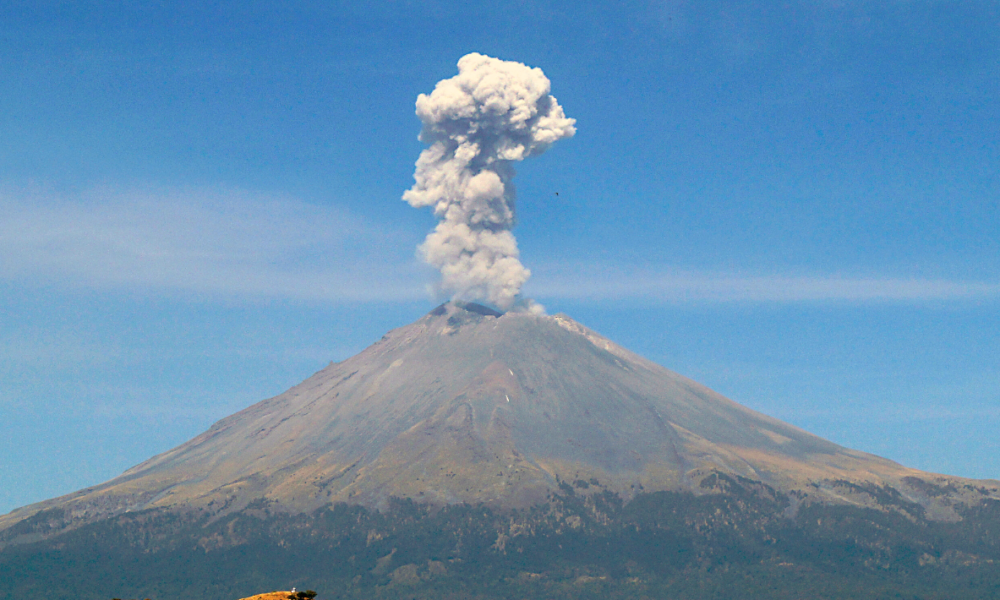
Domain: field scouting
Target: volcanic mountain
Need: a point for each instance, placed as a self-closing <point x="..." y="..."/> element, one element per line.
<point x="467" y="405"/>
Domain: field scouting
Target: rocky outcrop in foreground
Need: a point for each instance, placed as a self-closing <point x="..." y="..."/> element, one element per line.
<point x="307" y="595"/>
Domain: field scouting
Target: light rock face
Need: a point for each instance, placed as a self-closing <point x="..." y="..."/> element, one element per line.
<point x="467" y="405"/>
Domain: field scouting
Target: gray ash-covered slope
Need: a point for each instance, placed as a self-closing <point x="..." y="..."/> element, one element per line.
<point x="467" y="405"/>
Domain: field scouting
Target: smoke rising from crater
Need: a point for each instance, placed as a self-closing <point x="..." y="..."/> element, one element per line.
<point x="494" y="112"/>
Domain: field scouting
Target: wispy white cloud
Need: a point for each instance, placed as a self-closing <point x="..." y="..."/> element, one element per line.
<point x="214" y="242"/>
<point x="232" y="244"/>
<point x="666" y="285"/>
<point x="892" y="413"/>
<point x="35" y="350"/>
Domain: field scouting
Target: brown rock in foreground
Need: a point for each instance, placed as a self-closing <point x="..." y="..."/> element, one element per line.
<point x="467" y="405"/>
<point x="289" y="595"/>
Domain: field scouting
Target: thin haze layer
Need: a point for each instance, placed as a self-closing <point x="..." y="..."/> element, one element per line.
<point x="477" y="123"/>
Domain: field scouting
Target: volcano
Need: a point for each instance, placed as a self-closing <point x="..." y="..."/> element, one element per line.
<point x="468" y="405"/>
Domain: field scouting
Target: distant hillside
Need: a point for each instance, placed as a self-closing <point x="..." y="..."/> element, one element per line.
<point x="581" y="543"/>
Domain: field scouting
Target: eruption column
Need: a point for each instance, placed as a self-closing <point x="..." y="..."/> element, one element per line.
<point x="494" y="112"/>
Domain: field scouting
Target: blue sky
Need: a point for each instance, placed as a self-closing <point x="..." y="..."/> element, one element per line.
<point x="795" y="203"/>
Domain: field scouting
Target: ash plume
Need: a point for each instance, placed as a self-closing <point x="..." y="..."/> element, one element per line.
<point x="493" y="113"/>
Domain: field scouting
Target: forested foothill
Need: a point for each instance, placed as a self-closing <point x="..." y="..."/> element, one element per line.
<point x="744" y="541"/>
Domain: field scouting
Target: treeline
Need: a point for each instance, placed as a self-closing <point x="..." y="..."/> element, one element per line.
<point x="584" y="543"/>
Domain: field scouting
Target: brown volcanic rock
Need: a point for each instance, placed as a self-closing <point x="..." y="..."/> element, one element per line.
<point x="270" y="596"/>
<point x="466" y="405"/>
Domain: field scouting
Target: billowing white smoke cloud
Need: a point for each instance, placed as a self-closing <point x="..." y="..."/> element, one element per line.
<point x="477" y="123"/>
